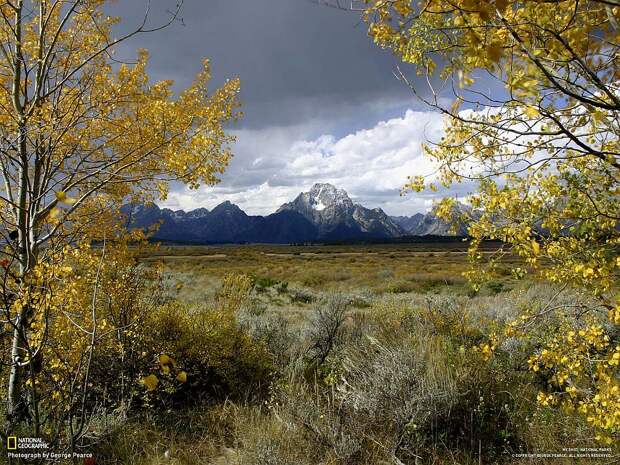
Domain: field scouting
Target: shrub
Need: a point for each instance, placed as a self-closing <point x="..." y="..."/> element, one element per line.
<point x="301" y="296"/>
<point x="397" y="397"/>
<point x="273" y="331"/>
<point x="495" y="286"/>
<point x="220" y="359"/>
<point x="254" y="306"/>
<point x="362" y="300"/>
<point x="396" y="391"/>
<point x="404" y="382"/>
<point x="264" y="282"/>
<point x="326" y="328"/>
<point x="282" y="288"/>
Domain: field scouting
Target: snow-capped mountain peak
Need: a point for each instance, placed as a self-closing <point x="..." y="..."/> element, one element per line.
<point x="319" y="206"/>
<point x="323" y="195"/>
<point x="333" y="212"/>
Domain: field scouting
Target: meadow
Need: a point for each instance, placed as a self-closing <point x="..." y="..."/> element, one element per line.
<point x="365" y="354"/>
<point x="196" y="271"/>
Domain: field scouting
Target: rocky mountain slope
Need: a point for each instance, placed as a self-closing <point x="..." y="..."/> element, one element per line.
<point x="431" y="225"/>
<point x="337" y="217"/>
<point x="408" y="223"/>
<point x="324" y="213"/>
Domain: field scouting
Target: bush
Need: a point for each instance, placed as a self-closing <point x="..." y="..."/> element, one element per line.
<point x="326" y="328"/>
<point x="264" y="282"/>
<point x="397" y="392"/>
<point x="404" y="391"/>
<point x="282" y="288"/>
<point x="220" y="358"/>
<point x="363" y="300"/>
<point x="495" y="287"/>
<point x="301" y="296"/>
<point x="273" y="331"/>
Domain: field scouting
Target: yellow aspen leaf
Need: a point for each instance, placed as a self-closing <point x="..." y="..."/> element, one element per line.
<point x="61" y="196"/>
<point x="66" y="270"/>
<point x="535" y="247"/>
<point x="182" y="377"/>
<point x="494" y="52"/>
<point x="501" y="4"/>
<point x="150" y="382"/>
<point x="598" y="116"/>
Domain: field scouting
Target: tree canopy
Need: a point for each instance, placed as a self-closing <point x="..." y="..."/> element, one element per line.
<point x="531" y="98"/>
<point x="80" y="133"/>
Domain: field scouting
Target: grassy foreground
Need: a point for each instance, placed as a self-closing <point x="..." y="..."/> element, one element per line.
<point x="358" y="355"/>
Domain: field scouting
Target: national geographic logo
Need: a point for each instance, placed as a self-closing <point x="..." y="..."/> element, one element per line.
<point x="20" y="443"/>
<point x="26" y="448"/>
<point x="33" y="449"/>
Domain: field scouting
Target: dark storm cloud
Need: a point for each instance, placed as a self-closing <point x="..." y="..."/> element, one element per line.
<point x="321" y="102"/>
<point x="297" y="60"/>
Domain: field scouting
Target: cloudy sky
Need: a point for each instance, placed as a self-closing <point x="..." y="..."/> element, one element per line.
<point x="321" y="102"/>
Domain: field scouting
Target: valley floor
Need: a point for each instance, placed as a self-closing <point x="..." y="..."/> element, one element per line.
<point x="379" y="269"/>
<point x="375" y="356"/>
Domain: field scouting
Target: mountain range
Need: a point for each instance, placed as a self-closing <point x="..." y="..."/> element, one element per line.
<point x="324" y="213"/>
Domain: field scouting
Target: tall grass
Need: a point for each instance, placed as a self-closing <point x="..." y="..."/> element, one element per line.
<point x="372" y="362"/>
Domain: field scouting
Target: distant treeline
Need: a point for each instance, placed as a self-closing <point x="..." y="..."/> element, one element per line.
<point x="429" y="239"/>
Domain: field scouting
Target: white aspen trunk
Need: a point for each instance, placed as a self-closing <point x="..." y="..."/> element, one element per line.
<point x="14" y="409"/>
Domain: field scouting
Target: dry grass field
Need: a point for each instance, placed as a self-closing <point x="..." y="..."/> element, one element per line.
<point x="357" y="354"/>
<point x="196" y="271"/>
